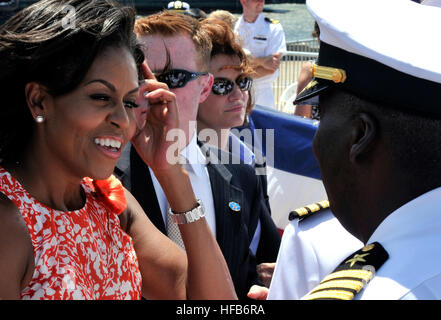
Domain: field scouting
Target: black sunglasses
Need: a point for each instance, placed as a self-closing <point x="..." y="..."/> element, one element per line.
<point x="223" y="86"/>
<point x="177" y="78"/>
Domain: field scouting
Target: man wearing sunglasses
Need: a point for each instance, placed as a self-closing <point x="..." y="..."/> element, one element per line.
<point x="226" y="107"/>
<point x="177" y="51"/>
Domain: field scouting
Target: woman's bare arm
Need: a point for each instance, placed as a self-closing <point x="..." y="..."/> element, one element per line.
<point x="16" y="252"/>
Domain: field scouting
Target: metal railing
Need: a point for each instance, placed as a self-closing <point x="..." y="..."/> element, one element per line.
<point x="298" y="53"/>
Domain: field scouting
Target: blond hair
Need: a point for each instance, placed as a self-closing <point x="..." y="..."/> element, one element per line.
<point x="225" y="16"/>
<point x="168" y="23"/>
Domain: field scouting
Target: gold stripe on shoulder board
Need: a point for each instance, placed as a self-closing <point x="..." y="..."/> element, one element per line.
<point x="308" y="210"/>
<point x="273" y="21"/>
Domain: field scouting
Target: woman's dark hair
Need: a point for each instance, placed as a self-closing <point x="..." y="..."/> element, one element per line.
<point x="54" y="43"/>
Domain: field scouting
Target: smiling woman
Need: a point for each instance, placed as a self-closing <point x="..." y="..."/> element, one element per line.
<point x="42" y="49"/>
<point x="69" y="94"/>
<point x="99" y="110"/>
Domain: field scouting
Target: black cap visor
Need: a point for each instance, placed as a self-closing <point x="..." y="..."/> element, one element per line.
<point x="309" y="95"/>
<point x="373" y="81"/>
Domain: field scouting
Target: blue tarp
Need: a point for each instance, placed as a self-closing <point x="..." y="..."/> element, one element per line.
<point x="292" y="140"/>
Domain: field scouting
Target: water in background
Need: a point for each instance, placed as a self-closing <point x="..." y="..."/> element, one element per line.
<point x="295" y="19"/>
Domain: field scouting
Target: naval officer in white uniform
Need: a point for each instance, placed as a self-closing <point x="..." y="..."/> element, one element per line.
<point x="378" y="144"/>
<point x="265" y="40"/>
<point x="313" y="247"/>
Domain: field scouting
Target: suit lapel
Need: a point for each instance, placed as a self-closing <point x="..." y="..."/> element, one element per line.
<point x="143" y="190"/>
<point x="228" y="222"/>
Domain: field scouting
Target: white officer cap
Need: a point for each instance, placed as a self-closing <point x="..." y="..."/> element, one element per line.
<point x="178" y="5"/>
<point x="381" y="50"/>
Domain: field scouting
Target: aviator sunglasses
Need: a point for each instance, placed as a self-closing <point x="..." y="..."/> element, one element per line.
<point x="178" y="78"/>
<point x="223" y="86"/>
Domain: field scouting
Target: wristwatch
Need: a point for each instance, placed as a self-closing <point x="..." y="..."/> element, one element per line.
<point x="189" y="216"/>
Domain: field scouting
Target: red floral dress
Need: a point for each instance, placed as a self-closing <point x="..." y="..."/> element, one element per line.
<point x="82" y="254"/>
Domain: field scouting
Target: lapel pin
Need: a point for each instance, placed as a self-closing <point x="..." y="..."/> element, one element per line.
<point x="234" y="206"/>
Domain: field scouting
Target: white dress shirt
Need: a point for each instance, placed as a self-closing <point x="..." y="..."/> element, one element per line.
<point x="200" y="181"/>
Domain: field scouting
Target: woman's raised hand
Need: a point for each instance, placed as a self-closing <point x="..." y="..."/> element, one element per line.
<point x="156" y="116"/>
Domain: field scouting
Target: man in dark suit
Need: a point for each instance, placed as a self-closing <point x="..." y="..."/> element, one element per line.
<point x="178" y="52"/>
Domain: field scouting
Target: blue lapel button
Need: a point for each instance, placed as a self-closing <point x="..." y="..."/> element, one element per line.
<point x="234" y="206"/>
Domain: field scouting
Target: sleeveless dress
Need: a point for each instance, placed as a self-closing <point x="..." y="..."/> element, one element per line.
<point x="81" y="254"/>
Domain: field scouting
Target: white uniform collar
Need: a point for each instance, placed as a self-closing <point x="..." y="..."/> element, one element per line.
<point x="259" y="19"/>
<point x="411" y="216"/>
<point x="411" y="236"/>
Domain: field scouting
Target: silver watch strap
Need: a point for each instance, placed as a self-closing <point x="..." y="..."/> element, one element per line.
<point x="189" y="216"/>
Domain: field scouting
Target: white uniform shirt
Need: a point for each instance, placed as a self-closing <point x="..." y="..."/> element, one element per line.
<point x="309" y="251"/>
<point x="262" y="38"/>
<point x="411" y="236"/>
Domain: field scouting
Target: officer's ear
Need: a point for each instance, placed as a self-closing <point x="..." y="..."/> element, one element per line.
<point x="363" y="135"/>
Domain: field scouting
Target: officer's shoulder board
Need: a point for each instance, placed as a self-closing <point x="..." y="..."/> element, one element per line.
<point x="273" y="21"/>
<point x="309" y="210"/>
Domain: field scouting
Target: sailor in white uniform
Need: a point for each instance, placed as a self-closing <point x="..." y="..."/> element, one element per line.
<point x="264" y="38"/>
<point x="380" y="112"/>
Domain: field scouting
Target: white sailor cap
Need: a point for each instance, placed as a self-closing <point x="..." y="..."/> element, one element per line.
<point x="178" y="5"/>
<point x="385" y="51"/>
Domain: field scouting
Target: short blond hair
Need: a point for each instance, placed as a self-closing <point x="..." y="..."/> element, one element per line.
<point x="168" y="23"/>
<point x="225" y="16"/>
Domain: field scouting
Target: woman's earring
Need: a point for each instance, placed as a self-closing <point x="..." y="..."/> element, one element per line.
<point x="39" y="119"/>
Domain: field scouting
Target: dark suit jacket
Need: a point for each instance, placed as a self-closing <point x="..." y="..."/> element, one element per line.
<point x="234" y="230"/>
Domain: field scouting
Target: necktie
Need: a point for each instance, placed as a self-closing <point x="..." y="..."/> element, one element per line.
<point x="351" y="275"/>
<point x="173" y="231"/>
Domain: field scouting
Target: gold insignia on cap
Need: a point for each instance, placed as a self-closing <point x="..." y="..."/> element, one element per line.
<point x="328" y="73"/>
<point x="311" y="84"/>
